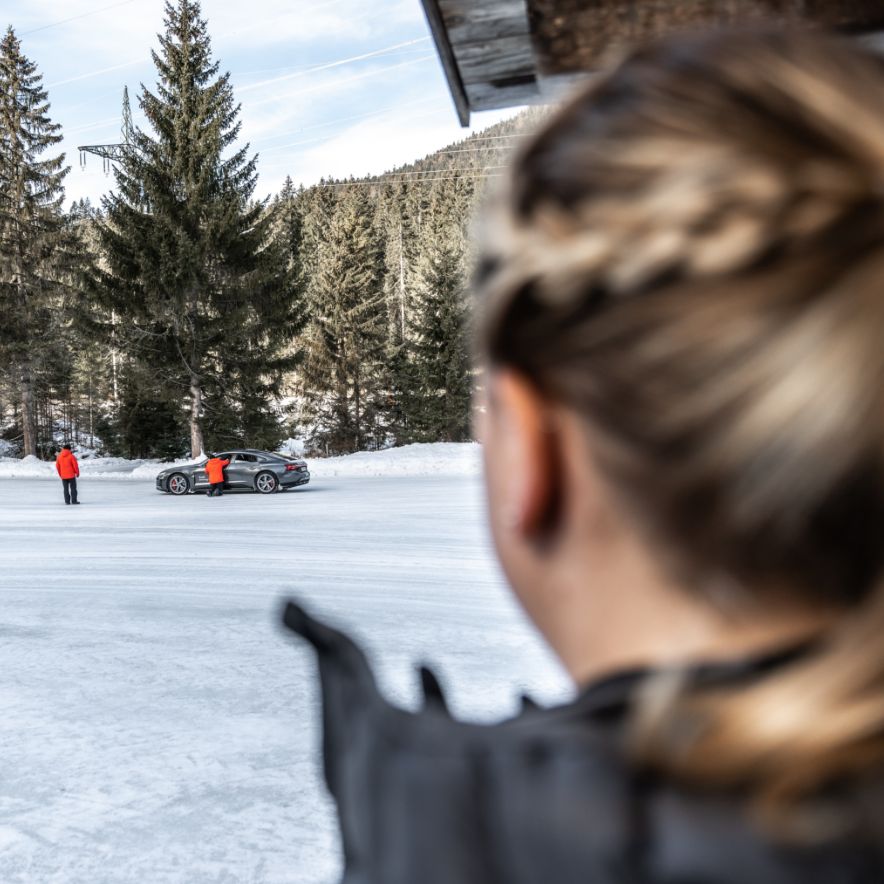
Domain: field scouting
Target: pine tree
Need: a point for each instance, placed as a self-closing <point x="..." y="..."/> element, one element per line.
<point x="196" y="277"/>
<point x="291" y="222"/>
<point x="34" y="257"/>
<point x="289" y="208"/>
<point x="145" y="423"/>
<point x="442" y="391"/>
<point x="395" y="229"/>
<point x="342" y="372"/>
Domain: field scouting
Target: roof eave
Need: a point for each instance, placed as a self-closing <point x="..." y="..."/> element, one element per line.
<point x="447" y="57"/>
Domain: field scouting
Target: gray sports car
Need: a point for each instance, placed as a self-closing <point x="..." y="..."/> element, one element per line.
<point x="249" y="469"/>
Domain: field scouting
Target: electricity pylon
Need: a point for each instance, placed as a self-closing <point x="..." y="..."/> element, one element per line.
<point x="112" y="153"/>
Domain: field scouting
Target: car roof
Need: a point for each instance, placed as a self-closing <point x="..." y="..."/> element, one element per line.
<point x="248" y="451"/>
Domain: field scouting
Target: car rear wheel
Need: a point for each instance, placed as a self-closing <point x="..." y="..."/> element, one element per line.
<point x="266" y="483"/>
<point x="178" y="484"/>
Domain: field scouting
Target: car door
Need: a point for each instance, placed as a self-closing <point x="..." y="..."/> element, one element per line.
<point x="233" y="472"/>
<point x="242" y="471"/>
<point x="200" y="480"/>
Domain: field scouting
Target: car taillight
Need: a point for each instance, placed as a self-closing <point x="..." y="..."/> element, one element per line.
<point x="290" y="467"/>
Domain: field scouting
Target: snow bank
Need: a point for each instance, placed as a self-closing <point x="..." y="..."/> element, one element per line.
<point x="428" y="459"/>
<point x="433" y="459"/>
<point x="292" y="447"/>
<point x="92" y="468"/>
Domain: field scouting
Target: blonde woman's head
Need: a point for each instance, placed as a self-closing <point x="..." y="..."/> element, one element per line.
<point x="682" y="317"/>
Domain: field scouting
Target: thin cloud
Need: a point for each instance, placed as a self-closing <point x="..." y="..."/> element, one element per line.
<point x="394" y="108"/>
<point x="333" y="85"/>
<point x="71" y="18"/>
<point x="329" y="65"/>
<point x="388" y="113"/>
<point x="89" y="74"/>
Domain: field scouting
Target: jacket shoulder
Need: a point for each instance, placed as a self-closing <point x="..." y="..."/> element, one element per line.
<point x="550" y="795"/>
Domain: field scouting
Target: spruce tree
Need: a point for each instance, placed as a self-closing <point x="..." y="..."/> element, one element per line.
<point x="343" y="365"/>
<point x="289" y="208"/>
<point x="442" y="391"/>
<point x="34" y="257"/>
<point x="195" y="275"/>
<point x="398" y="260"/>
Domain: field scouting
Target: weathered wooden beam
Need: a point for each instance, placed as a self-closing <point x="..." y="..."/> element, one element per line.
<point x="468" y="21"/>
<point x="447" y="57"/>
<point x="485" y="96"/>
<point x="500" y="59"/>
<point x="495" y="55"/>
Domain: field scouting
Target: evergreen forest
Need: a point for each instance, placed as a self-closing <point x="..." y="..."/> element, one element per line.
<point x="186" y="313"/>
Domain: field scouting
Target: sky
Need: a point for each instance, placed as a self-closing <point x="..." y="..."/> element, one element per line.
<point x="327" y="87"/>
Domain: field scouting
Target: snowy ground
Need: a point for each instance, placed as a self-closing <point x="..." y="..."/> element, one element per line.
<point x="156" y="725"/>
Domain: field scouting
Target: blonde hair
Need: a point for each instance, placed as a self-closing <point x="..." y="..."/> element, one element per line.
<point x="691" y="255"/>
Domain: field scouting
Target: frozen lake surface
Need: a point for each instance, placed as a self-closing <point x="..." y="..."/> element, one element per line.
<point x="155" y="723"/>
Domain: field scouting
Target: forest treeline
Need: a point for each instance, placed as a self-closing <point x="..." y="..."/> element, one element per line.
<point x="184" y="314"/>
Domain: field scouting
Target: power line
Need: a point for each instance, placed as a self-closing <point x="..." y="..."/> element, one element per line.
<point x="447" y="171"/>
<point x="495" y="137"/>
<point x="421" y="181"/>
<point x="265" y="152"/>
<point x="475" y="149"/>
<point x="374" y="114"/>
<point x="382" y="182"/>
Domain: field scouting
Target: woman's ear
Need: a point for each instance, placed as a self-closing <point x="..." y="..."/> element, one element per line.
<point x="523" y="457"/>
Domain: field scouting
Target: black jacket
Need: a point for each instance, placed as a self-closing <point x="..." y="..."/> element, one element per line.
<point x="544" y="798"/>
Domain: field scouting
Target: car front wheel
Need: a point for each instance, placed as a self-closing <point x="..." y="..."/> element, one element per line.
<point x="266" y="483"/>
<point x="178" y="484"/>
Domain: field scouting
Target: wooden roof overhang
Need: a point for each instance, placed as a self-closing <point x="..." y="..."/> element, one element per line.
<point x="503" y="53"/>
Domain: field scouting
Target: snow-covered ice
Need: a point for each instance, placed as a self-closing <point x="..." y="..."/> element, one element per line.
<point x="157" y="726"/>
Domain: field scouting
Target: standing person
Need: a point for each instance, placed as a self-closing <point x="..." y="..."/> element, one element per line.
<point x="215" y="474"/>
<point x="68" y="469"/>
<point x="681" y="329"/>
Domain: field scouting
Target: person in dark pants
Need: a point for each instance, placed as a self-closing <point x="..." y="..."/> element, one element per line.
<point x="215" y="474"/>
<point x="68" y="469"/>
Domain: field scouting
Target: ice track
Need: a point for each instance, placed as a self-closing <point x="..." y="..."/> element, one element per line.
<point x="155" y="723"/>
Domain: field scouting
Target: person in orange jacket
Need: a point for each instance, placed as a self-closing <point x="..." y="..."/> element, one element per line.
<point x="68" y="469"/>
<point x="215" y="474"/>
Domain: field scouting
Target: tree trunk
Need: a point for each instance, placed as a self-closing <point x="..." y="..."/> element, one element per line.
<point x="28" y="421"/>
<point x="357" y="396"/>
<point x="401" y="283"/>
<point x="196" y="427"/>
<point x="91" y="414"/>
<point x="116" y="395"/>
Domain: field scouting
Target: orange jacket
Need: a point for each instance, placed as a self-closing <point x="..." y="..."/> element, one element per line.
<point x="215" y="469"/>
<point x="66" y="464"/>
